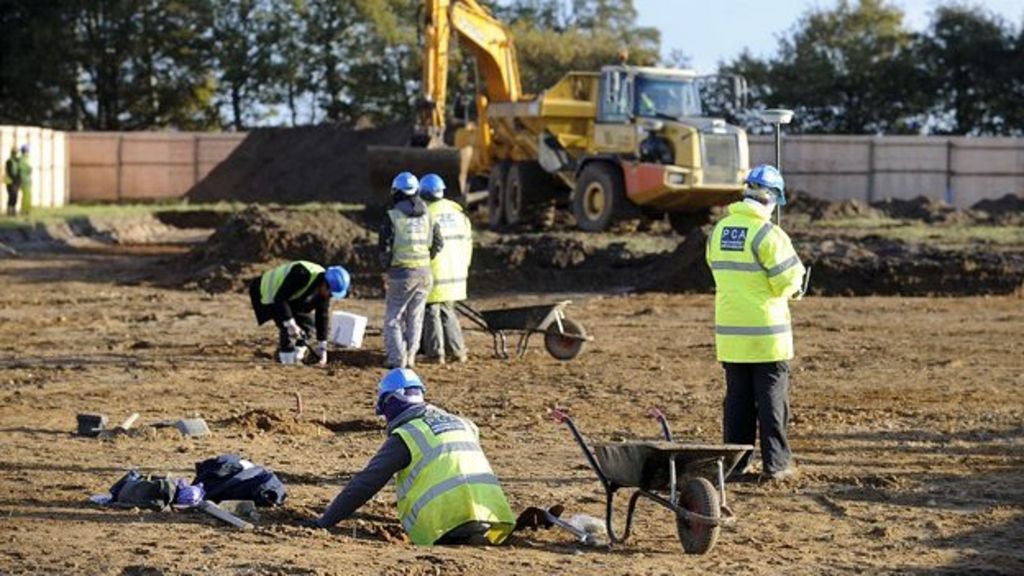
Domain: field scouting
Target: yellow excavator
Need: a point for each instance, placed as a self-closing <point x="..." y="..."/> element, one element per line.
<point x="621" y="142"/>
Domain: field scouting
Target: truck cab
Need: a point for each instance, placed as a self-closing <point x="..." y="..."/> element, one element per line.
<point x="672" y="157"/>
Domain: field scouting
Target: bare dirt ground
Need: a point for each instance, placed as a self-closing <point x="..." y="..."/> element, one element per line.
<point x="907" y="428"/>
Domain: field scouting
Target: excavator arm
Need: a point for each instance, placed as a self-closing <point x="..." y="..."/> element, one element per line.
<point x="491" y="43"/>
<point x="486" y="38"/>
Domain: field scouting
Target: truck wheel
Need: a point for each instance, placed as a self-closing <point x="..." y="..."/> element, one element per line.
<point x="562" y="347"/>
<point x="700" y="497"/>
<point x="684" y="222"/>
<point x="599" y="198"/>
<point x="526" y="187"/>
<point x="496" y="195"/>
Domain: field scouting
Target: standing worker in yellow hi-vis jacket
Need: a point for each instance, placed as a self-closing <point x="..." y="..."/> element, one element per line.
<point x="441" y="331"/>
<point x="756" y="273"/>
<point x="409" y="239"/>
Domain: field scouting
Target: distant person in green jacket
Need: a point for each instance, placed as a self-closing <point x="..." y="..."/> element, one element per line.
<point x="25" y="172"/>
<point x="12" y="178"/>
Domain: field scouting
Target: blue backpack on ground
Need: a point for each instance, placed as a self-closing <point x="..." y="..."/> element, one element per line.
<point x="229" y="477"/>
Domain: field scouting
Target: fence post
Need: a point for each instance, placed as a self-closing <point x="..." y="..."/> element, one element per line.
<point x="871" y="170"/>
<point x="195" y="159"/>
<point x="120" y="152"/>
<point x="949" y="171"/>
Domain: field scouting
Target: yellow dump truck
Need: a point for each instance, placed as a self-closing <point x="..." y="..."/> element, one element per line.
<point x="621" y="142"/>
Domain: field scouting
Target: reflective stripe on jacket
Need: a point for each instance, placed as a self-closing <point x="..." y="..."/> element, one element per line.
<point x="272" y="279"/>
<point x="411" y="246"/>
<point x="448" y="481"/>
<point x="451" y="266"/>
<point x="756" y="271"/>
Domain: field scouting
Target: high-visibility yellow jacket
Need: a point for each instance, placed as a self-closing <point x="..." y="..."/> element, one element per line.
<point x="411" y="245"/>
<point x="756" y="271"/>
<point x="271" y="280"/>
<point x="451" y="265"/>
<point x="448" y="481"/>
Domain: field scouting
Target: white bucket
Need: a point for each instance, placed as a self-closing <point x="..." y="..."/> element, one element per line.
<point x="347" y="329"/>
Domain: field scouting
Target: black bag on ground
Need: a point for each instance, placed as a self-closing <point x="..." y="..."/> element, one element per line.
<point x="134" y="490"/>
<point x="228" y="477"/>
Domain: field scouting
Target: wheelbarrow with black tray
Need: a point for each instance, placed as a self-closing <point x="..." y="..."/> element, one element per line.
<point x="564" y="338"/>
<point x="686" y="478"/>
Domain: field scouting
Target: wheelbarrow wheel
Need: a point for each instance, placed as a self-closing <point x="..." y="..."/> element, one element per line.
<point x="562" y="347"/>
<point x="700" y="497"/>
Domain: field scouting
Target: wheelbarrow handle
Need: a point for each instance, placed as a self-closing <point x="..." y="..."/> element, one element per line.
<point x="559" y="414"/>
<point x="658" y="415"/>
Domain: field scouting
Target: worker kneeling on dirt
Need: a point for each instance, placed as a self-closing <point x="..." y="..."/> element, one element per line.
<point x="409" y="240"/>
<point x="291" y="295"/>
<point x="446" y="490"/>
<point x="756" y="272"/>
<point x="441" y="331"/>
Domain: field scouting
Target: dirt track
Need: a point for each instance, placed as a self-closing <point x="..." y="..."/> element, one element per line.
<point x="908" y="429"/>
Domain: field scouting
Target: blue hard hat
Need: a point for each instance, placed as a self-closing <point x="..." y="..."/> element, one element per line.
<point x="394" y="381"/>
<point x="766" y="179"/>
<point x="338" y="280"/>
<point x="405" y="184"/>
<point x="432" y="187"/>
<point x="24" y="149"/>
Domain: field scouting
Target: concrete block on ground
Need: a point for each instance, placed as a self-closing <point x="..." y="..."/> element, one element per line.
<point x="192" y="427"/>
<point x="91" y="424"/>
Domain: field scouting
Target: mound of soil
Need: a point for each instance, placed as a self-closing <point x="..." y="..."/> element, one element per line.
<point x="802" y="202"/>
<point x="91" y="231"/>
<point x="1008" y="210"/>
<point x="295" y="165"/>
<point x="881" y="266"/>
<point x="925" y="209"/>
<point x="683" y="270"/>
<point x="860" y="267"/>
<point x="259" y="235"/>
<point x="260" y="421"/>
<point x="555" y="262"/>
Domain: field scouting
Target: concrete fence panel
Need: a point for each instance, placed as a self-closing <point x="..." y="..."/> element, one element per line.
<point x="961" y="171"/>
<point x="143" y="166"/>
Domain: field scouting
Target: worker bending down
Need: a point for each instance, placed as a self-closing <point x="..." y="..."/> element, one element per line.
<point x="409" y="240"/>
<point x="442" y="334"/>
<point x="446" y="490"/>
<point x="297" y="296"/>
<point x="756" y="273"/>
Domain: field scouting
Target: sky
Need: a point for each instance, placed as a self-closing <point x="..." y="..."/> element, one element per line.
<point x="717" y="30"/>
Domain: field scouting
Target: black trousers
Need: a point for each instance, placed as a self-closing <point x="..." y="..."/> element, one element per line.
<point x="12" y="196"/>
<point x="757" y="396"/>
<point x="306" y="321"/>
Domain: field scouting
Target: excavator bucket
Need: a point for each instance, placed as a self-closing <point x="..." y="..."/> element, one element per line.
<point x="452" y="164"/>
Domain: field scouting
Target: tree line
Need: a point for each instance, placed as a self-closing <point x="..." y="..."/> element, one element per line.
<point x="855" y="68"/>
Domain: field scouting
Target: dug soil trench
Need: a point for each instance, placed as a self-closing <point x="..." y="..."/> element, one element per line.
<point x="845" y="261"/>
<point x="906" y="427"/>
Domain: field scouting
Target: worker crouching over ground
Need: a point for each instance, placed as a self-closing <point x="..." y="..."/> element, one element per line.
<point x="409" y="240"/>
<point x="446" y="490"/>
<point x="441" y="331"/>
<point x="297" y="297"/>
<point x="756" y="272"/>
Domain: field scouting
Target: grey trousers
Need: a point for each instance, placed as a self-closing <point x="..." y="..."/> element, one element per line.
<point x="442" y="334"/>
<point x="405" y="302"/>
<point x="757" y="397"/>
